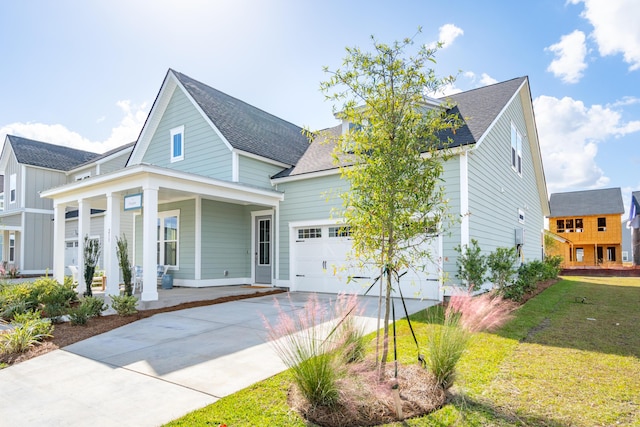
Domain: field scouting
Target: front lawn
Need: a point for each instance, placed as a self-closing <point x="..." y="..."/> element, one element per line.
<point x="570" y="357"/>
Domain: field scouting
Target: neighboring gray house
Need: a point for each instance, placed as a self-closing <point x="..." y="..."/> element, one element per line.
<point x="26" y="220"/>
<point x="225" y="193"/>
<point x="633" y="225"/>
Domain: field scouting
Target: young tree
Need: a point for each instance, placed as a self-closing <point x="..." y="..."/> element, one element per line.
<point x="123" y="261"/>
<point x="91" y="256"/>
<point x="392" y="157"/>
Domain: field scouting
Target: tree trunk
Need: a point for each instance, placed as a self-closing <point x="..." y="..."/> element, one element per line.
<point x="385" y="339"/>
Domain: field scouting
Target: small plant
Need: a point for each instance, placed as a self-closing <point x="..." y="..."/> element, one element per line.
<point x="95" y="306"/>
<point x="124" y="305"/>
<point x="123" y="262"/>
<point x="464" y="316"/>
<point x="91" y="256"/>
<point x="472" y="265"/>
<point x="23" y="336"/>
<point x="501" y="263"/>
<point x="301" y="344"/>
<point x="33" y="320"/>
<point x="349" y="332"/>
<point x="79" y="315"/>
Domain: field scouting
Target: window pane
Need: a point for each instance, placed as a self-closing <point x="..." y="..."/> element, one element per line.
<point x="560" y="225"/>
<point x="170" y="253"/>
<point x="177" y="145"/>
<point x="171" y="228"/>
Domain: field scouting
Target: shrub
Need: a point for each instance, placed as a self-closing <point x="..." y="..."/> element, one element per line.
<point x="552" y="266"/>
<point x="91" y="256"/>
<point x="472" y="265"/>
<point x="501" y="263"/>
<point x="33" y="320"/>
<point x="48" y="291"/>
<point x="79" y="315"/>
<point x="124" y="305"/>
<point x="95" y="306"/>
<point x="123" y="262"/>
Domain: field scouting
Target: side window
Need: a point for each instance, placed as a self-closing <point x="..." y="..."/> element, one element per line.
<point x="12" y="188"/>
<point x="602" y="224"/>
<point x="560" y="225"/>
<point x="177" y="144"/>
<point x="516" y="149"/>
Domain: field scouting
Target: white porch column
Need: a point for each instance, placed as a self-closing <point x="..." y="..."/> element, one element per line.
<point x="58" y="242"/>
<point x="464" y="199"/>
<point x="198" y="242"/>
<point x="84" y="222"/>
<point x="110" y="250"/>
<point x="149" y="243"/>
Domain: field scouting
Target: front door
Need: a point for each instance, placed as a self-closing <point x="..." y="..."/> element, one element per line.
<point x="263" y="249"/>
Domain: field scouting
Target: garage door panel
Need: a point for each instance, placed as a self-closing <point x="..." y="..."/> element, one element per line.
<point x="325" y="264"/>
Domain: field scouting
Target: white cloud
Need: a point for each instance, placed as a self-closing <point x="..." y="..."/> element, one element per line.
<point x="615" y="28"/>
<point x="127" y="131"/>
<point x="569" y="134"/>
<point x="570" y="53"/>
<point x="448" y="33"/>
<point x="486" y="80"/>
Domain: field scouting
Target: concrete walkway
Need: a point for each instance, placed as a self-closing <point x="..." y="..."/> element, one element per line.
<point x="157" y="369"/>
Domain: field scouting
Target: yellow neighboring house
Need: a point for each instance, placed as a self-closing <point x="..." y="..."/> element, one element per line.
<point x="585" y="227"/>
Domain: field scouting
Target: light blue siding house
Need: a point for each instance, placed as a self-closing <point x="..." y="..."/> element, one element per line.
<point x="224" y="193"/>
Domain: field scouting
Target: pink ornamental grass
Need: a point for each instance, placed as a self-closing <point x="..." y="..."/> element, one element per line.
<point x="486" y="312"/>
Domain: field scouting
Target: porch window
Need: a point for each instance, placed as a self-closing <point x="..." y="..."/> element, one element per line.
<point x="12" y="247"/>
<point x="168" y="232"/>
<point x="611" y="253"/>
<point x="602" y="224"/>
<point x="579" y="254"/>
<point x="177" y="144"/>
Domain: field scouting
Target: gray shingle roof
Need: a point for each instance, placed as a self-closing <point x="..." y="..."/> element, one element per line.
<point x="246" y="127"/>
<point x="478" y="108"/>
<point x="588" y="202"/>
<point x="42" y="154"/>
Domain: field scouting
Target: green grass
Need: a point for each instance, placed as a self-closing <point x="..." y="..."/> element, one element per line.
<point x="549" y="366"/>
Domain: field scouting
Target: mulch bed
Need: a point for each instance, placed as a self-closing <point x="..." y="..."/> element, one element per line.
<point x="65" y="334"/>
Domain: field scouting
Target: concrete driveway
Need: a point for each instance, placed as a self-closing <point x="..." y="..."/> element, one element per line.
<point x="157" y="369"/>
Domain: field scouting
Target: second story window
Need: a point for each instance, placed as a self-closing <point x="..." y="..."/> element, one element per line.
<point x="602" y="224"/>
<point x="177" y="144"/>
<point x="516" y="149"/>
<point x="560" y="225"/>
<point x="12" y="188"/>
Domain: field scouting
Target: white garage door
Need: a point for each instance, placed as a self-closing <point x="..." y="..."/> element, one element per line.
<point x="321" y="262"/>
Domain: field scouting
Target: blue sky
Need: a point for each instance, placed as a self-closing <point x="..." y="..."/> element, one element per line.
<point x="85" y="74"/>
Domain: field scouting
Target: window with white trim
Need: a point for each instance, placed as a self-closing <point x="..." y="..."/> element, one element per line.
<point x="177" y="144"/>
<point x="520" y="216"/>
<point x="12" y="188"/>
<point x="12" y="247"/>
<point x="168" y="237"/>
<point x="516" y="149"/>
<point x="343" y="231"/>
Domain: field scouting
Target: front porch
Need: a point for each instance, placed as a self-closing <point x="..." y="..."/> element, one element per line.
<point x="208" y="232"/>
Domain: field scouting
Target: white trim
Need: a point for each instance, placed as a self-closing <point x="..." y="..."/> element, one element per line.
<point x="38" y="211"/>
<point x="320" y="222"/>
<point x="328" y="172"/>
<point x="464" y="199"/>
<point x="235" y="167"/>
<point x="254" y="215"/>
<point x="276" y="244"/>
<point x="83" y="175"/>
<point x="178" y="130"/>
<point x="261" y="158"/>
<point x="10" y="228"/>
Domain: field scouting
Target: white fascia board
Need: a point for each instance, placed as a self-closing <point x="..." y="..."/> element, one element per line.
<point x="301" y="177"/>
<point x="138" y="175"/>
<point x="153" y="119"/>
<point x="262" y="159"/>
<point x="100" y="161"/>
<point x="7" y="152"/>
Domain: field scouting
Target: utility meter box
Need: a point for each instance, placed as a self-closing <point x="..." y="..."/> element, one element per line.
<point x="519" y="236"/>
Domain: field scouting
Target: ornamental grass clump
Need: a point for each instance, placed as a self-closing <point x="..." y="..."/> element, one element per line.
<point x="27" y="330"/>
<point x="464" y="316"/>
<point x="315" y="349"/>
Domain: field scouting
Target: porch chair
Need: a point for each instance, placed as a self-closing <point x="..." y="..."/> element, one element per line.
<point x="137" y="278"/>
<point x="74" y="273"/>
